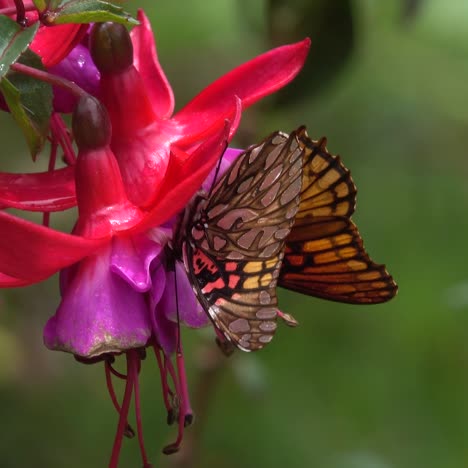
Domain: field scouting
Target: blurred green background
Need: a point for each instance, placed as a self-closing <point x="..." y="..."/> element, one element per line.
<point x="353" y="387"/>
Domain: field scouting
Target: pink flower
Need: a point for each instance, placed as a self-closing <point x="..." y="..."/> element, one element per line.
<point x="116" y="299"/>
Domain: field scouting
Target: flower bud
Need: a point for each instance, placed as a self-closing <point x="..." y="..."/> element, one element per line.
<point x="91" y="125"/>
<point x="111" y="47"/>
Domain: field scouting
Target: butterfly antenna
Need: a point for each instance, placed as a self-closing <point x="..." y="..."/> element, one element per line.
<point x="218" y="167"/>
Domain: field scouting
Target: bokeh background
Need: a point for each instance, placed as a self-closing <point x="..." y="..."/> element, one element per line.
<point x="353" y="387"/>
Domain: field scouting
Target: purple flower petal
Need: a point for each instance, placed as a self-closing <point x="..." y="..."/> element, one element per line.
<point x="131" y="258"/>
<point x="191" y="312"/>
<point x="99" y="313"/>
<point x="78" y="67"/>
<point x="164" y="330"/>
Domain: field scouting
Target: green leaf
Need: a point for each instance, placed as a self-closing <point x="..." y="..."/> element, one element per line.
<point x="30" y="102"/>
<point x="14" y="40"/>
<point x="88" y="11"/>
<point x="41" y="5"/>
<point x="53" y="4"/>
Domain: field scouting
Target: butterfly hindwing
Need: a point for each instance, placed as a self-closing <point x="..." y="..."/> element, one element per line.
<point x="235" y="242"/>
<point x="324" y="254"/>
<point x="325" y="258"/>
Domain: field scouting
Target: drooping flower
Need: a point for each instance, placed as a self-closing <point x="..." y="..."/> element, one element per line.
<point x="114" y="300"/>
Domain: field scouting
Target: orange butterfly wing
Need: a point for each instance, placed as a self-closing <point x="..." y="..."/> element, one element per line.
<point x="324" y="254"/>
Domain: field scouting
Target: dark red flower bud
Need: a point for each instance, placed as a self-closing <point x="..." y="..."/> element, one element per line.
<point x="91" y="125"/>
<point x="111" y="47"/>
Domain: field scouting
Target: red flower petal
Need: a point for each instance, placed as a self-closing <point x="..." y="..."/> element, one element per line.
<point x="251" y="81"/>
<point x="147" y="63"/>
<point x="10" y="282"/>
<point x="32" y="252"/>
<point x="183" y="180"/>
<point x="53" y="43"/>
<point x="42" y="191"/>
<point x="193" y="134"/>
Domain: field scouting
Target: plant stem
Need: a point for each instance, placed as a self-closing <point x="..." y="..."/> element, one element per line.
<point x="49" y="78"/>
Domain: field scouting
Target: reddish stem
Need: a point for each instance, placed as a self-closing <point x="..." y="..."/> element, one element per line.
<point x="11" y="10"/>
<point x="50" y="168"/>
<point x="49" y="78"/>
<point x="20" y="13"/>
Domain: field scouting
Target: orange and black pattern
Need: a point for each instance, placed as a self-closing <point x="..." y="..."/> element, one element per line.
<point x="324" y="254"/>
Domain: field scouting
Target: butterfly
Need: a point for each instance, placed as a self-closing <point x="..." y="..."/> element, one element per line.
<point x="324" y="254"/>
<point x="235" y="239"/>
<point x="278" y="216"/>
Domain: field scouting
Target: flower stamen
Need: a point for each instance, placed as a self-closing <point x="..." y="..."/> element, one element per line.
<point x="128" y="432"/>
<point x="166" y="391"/>
<point x="61" y="134"/>
<point x="135" y="371"/>
<point x="186" y="409"/>
<point x="116" y="372"/>
<point x="132" y="357"/>
<point x="185" y="414"/>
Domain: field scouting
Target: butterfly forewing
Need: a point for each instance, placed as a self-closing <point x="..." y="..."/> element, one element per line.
<point x="235" y="243"/>
<point x="327" y="186"/>
<point x="324" y="254"/>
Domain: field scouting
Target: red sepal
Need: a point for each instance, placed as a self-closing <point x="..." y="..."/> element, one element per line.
<point x="32" y="252"/>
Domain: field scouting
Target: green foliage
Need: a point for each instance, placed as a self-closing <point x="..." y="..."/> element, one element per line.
<point x="88" y="11"/>
<point x="14" y="40"/>
<point x="41" y="5"/>
<point x="29" y="100"/>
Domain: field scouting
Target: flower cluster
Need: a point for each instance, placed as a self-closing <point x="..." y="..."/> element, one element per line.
<point x="137" y="166"/>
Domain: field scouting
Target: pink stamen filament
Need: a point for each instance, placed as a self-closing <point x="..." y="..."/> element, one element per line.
<point x="60" y="133"/>
<point x="129" y="432"/>
<point x="180" y="383"/>
<point x="117" y="373"/>
<point x="185" y="400"/>
<point x="135" y="371"/>
<point x="131" y="362"/>
<point x="165" y="386"/>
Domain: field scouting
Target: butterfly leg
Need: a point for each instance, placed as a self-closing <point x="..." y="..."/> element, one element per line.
<point x="288" y="319"/>
<point x="226" y="347"/>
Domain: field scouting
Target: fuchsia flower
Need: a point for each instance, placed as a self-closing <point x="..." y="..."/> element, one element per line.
<point x="117" y="283"/>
